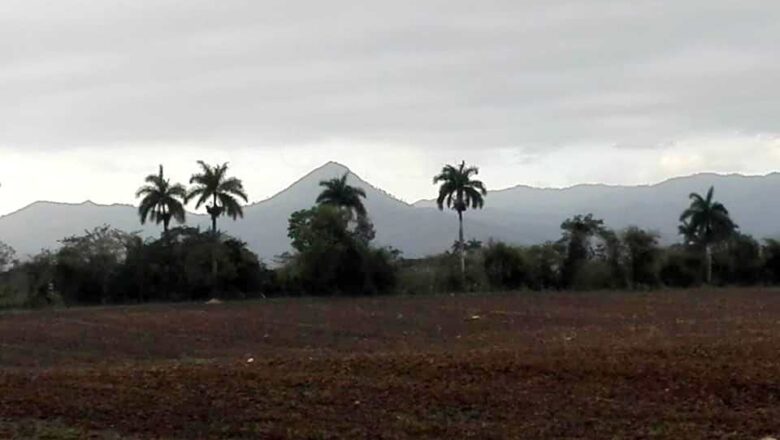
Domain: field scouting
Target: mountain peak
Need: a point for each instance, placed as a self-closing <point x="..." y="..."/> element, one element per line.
<point x="333" y="167"/>
<point x="517" y="215"/>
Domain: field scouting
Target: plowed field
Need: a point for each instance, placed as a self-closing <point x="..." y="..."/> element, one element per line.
<point x="678" y="364"/>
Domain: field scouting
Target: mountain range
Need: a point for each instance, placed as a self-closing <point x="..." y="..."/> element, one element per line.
<point x="521" y="214"/>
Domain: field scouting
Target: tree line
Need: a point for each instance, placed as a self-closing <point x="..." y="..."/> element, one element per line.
<point x="333" y="251"/>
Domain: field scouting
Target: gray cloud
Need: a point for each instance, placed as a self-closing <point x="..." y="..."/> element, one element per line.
<point x="534" y="76"/>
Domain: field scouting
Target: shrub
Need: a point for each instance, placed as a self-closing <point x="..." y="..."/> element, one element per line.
<point x="333" y="258"/>
<point x="771" y="263"/>
<point x="738" y="260"/>
<point x="593" y="275"/>
<point x="544" y="264"/>
<point x="681" y="267"/>
<point x="505" y="266"/>
<point x="441" y="274"/>
<point x="642" y="256"/>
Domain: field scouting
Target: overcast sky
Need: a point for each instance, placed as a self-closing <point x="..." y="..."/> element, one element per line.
<point x="94" y="94"/>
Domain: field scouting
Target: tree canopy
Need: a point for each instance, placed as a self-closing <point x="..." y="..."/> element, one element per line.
<point x="706" y="221"/>
<point x="337" y="192"/>
<point x="161" y="201"/>
<point x="212" y="183"/>
<point x="458" y="189"/>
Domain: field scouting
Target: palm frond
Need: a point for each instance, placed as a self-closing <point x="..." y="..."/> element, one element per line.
<point x="458" y="190"/>
<point x="230" y="205"/>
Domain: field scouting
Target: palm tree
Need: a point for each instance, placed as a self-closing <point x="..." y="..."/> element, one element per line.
<point x="704" y="223"/>
<point x="459" y="192"/>
<point x="162" y="201"/>
<point x="338" y="193"/>
<point x="212" y="183"/>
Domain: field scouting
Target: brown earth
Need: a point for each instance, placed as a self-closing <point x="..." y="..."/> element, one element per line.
<point x="678" y="364"/>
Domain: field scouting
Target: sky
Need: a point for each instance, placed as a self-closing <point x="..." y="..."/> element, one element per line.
<point x="95" y="94"/>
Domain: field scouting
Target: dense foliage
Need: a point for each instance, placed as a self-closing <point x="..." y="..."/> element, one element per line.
<point x="591" y="256"/>
<point x="333" y="254"/>
<point x="106" y="265"/>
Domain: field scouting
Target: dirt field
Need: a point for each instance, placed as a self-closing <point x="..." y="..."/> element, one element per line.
<point x="682" y="365"/>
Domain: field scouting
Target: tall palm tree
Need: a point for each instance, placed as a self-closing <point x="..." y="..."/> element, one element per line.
<point x="706" y="222"/>
<point x="213" y="184"/>
<point x="459" y="192"/>
<point x="338" y="193"/>
<point x="162" y="201"/>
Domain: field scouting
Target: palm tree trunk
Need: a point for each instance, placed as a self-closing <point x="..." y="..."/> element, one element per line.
<point x="166" y="219"/>
<point x="214" y="267"/>
<point x="708" y="263"/>
<point x="214" y="216"/>
<point x="462" y="247"/>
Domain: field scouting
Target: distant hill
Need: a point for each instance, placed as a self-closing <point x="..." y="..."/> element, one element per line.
<point x="750" y="200"/>
<point x="520" y="214"/>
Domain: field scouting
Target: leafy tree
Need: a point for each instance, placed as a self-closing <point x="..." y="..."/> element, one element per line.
<point x="331" y="258"/>
<point x="39" y="273"/>
<point x="577" y="234"/>
<point x="705" y="223"/>
<point x="545" y="262"/>
<point x="337" y="192"/>
<point x="212" y="183"/>
<point x="240" y="273"/>
<point x="594" y="274"/>
<point x="642" y="253"/>
<point x="176" y="268"/>
<point x="323" y="225"/>
<point x="162" y="201"/>
<point x="505" y="267"/>
<point x="738" y="260"/>
<point x="681" y="267"/>
<point x="612" y="252"/>
<point x="771" y="251"/>
<point x="459" y="191"/>
<point x="87" y="264"/>
<point x="7" y="256"/>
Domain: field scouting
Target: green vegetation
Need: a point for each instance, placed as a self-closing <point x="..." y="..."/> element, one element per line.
<point x="332" y="244"/>
<point x="337" y="192"/>
<point x="212" y="183"/>
<point x="162" y="201"/>
<point x="706" y="223"/>
<point x="459" y="191"/>
<point x="333" y="252"/>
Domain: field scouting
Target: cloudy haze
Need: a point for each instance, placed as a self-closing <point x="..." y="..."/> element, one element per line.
<point x="94" y="94"/>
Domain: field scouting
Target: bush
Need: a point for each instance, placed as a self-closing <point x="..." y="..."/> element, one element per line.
<point x="771" y="265"/>
<point x="738" y="261"/>
<point x="505" y="266"/>
<point x="593" y="275"/>
<point x="544" y="264"/>
<point x="681" y="267"/>
<point x="109" y="266"/>
<point x="334" y="258"/>
<point x="642" y="255"/>
<point x="441" y="274"/>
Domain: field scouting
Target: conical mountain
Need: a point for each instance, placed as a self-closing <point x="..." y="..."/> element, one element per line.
<point x="416" y="232"/>
<point x="521" y="214"/>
